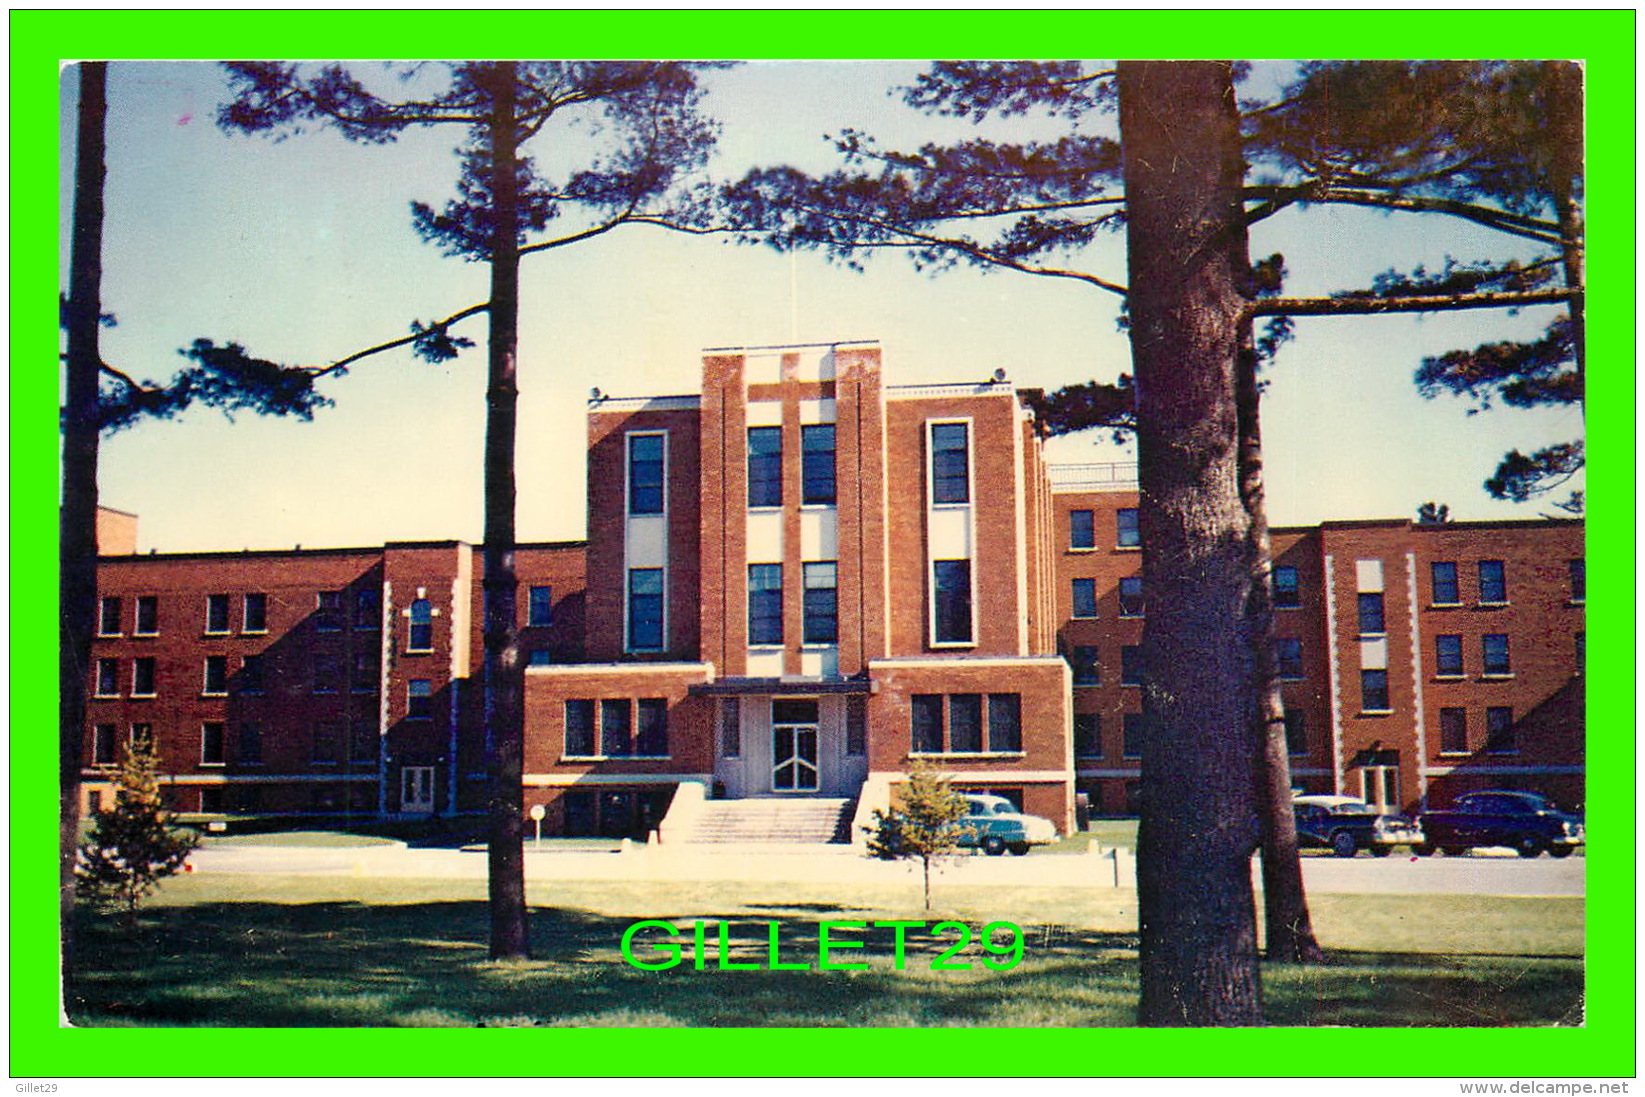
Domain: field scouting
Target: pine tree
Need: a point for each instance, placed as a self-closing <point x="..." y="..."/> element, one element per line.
<point x="926" y="824"/>
<point x="134" y="844"/>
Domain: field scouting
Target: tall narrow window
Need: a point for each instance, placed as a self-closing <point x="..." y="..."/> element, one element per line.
<point x="1085" y="597"/>
<point x="1087" y="670"/>
<point x="817" y="463"/>
<point x="821" y="604"/>
<point x="645" y="609"/>
<point x="1453" y="731"/>
<point x="1131" y="596"/>
<point x="108" y="678"/>
<point x="251" y="674"/>
<point x="363" y="678"/>
<point x="645" y="473"/>
<point x="1287" y="589"/>
<point x="1296" y="732"/>
<point x="102" y="745"/>
<point x="965" y="723"/>
<point x="1370" y="613"/>
<point x="250" y="750"/>
<point x="328" y="672"/>
<point x="1373" y="691"/>
<point x="1132" y="735"/>
<point x="328" y="610"/>
<point x="951" y="583"/>
<point x="367" y="608"/>
<point x="255" y="616"/>
<point x="1005" y="722"/>
<point x="142" y="738"/>
<point x="1131" y="670"/>
<point x="216" y="613"/>
<point x="1127" y="528"/>
<point x="108" y="618"/>
<point x="1494" y="646"/>
<point x="765" y="603"/>
<point x="1581" y="640"/>
<point x="1579" y="580"/>
<point x="1087" y="735"/>
<point x="142" y="677"/>
<point x="1493" y="582"/>
<point x="1082" y="529"/>
<point x="420" y="636"/>
<point x="1448" y="656"/>
<point x="541" y="611"/>
<point x="950" y="463"/>
<point x="211" y="744"/>
<point x="216" y="676"/>
<point x="765" y="466"/>
<point x="1446" y="592"/>
<point x="1499" y="731"/>
<point x="731" y="727"/>
<point x="616" y="729"/>
<point x="651" y="738"/>
<point x="579" y="729"/>
<point x="362" y="742"/>
<point x="927" y="721"/>
<point x="856" y="725"/>
<point x="1288" y="657"/>
<point x="419" y="699"/>
<point x="148" y="615"/>
<point x="327" y="742"/>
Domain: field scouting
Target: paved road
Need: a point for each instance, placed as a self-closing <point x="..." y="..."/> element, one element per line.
<point x="1474" y="874"/>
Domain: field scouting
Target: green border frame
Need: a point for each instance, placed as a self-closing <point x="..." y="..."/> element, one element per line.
<point x="1605" y="1047"/>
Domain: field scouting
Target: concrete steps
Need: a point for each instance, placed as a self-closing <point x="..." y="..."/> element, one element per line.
<point x="774" y="821"/>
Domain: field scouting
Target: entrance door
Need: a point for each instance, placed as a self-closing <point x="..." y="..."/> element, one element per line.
<point x="794" y="746"/>
<point x="1380" y="786"/>
<point x="417" y="789"/>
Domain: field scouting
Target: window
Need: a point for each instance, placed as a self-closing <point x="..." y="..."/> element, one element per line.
<point x="731" y="727"/>
<point x="1127" y="527"/>
<point x="645" y="473"/>
<point x="1446" y="591"/>
<point x="142" y="738"/>
<point x="1087" y="671"/>
<point x="540" y="612"/>
<point x="256" y="613"/>
<point x="616" y="729"/>
<point x="1493" y="582"/>
<point x="1131" y="596"/>
<point x="1373" y="691"/>
<point x="1085" y="597"/>
<point x="856" y="725"/>
<point x="362" y="742"/>
<point x="1287" y="589"/>
<point x="108" y="617"/>
<point x="328" y="610"/>
<point x="102" y="745"/>
<point x="1087" y="735"/>
<point x="1288" y="657"/>
<point x="821" y="604"/>
<point x="579" y="729"/>
<point x="765" y="603"/>
<point x="950" y="463"/>
<point x="1448" y="656"/>
<point x="1131" y="665"/>
<point x="419" y="699"/>
<point x="328" y="672"/>
<point x="645" y="609"/>
<point x="1453" y="731"/>
<point x="1132" y="735"/>
<point x="364" y="676"/>
<point x="652" y="720"/>
<point x="1579" y="580"/>
<point x="148" y="615"/>
<point x="1499" y="731"/>
<point x="1494" y="646"/>
<point x="216" y="677"/>
<point x="1005" y="722"/>
<point x="108" y="678"/>
<point x="251" y="674"/>
<point x="951" y="582"/>
<point x="367" y="611"/>
<point x="1296" y="731"/>
<point x="216" y="613"/>
<point x="817" y="463"/>
<point x="927" y="719"/>
<point x="1370" y="613"/>
<point x="211" y="744"/>
<point x="1581" y="640"/>
<point x="1082" y="529"/>
<point x="251" y="744"/>
<point x="965" y="723"/>
<point x="765" y="466"/>
<point x="142" y="677"/>
<point x="420" y="636"/>
<point x="327" y="742"/>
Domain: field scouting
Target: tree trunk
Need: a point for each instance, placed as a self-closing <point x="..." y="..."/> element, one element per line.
<point x="1199" y="817"/>
<point x="504" y="676"/>
<point x="77" y="533"/>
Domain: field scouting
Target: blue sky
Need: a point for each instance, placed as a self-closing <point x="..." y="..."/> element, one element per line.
<point x="303" y="250"/>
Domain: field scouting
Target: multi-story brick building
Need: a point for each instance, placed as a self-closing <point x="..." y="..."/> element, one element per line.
<point x="793" y="584"/>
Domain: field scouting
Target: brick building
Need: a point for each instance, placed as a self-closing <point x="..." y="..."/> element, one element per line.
<point x="794" y="583"/>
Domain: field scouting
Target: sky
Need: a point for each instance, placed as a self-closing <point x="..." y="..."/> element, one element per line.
<point x="303" y="251"/>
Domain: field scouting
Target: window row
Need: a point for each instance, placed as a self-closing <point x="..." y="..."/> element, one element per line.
<point x="327" y="667"/>
<point x="1084" y="597"/>
<point x="1088" y="734"/>
<point x="765" y="465"/>
<point x="626" y="728"/>
<point x="1494" y="661"/>
<point x="328" y="613"/>
<point x="820" y="620"/>
<point x="1082" y="529"/>
<point x="1087" y="667"/>
<point x="1491" y="586"/>
<point x="1500" y="737"/>
<point x="330" y="742"/>
<point x="966" y="723"/>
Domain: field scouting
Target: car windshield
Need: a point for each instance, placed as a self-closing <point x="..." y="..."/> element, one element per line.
<point x="1354" y="807"/>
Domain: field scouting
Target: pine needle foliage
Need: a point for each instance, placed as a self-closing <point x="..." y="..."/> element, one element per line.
<point x="134" y="844"/>
<point x="926" y="824"/>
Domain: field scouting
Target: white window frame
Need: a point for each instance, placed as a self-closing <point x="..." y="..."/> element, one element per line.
<point x="205" y="677"/>
<point x="102" y="615"/>
<point x="222" y="743"/>
<point x="628" y="619"/>
<point x="211" y="599"/>
<point x="931" y="461"/>
<point x="245" y="613"/>
<point x="628" y="472"/>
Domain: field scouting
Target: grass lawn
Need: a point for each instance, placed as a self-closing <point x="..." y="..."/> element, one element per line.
<point x="303" y="951"/>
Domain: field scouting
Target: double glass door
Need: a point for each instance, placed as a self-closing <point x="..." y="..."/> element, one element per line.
<point x="793" y="746"/>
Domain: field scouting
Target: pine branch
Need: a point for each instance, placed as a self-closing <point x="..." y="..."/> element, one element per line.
<point x="1376" y="306"/>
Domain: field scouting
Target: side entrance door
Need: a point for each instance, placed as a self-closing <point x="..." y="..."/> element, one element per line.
<point x="794" y="746"/>
<point x="417" y="789"/>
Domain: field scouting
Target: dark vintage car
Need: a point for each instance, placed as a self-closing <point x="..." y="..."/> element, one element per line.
<point x="1526" y="822"/>
<point x="1345" y="826"/>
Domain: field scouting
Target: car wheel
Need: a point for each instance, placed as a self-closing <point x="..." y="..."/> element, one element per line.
<point x="1423" y="849"/>
<point x="993" y="845"/>
<point x="1561" y="851"/>
<point x="1019" y="849"/>
<point x="1528" y="845"/>
<point x="1343" y="844"/>
<point x="1381" y="851"/>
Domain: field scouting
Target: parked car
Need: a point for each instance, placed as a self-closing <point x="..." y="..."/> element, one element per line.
<point x="993" y="824"/>
<point x="1345" y="826"/>
<point x="1526" y="822"/>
